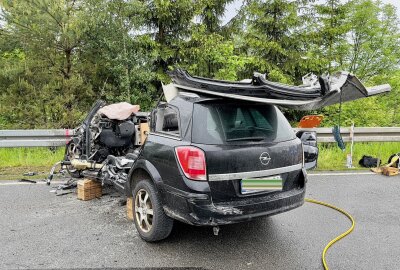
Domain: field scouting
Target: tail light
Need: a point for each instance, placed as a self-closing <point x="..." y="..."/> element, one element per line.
<point x="192" y="161"/>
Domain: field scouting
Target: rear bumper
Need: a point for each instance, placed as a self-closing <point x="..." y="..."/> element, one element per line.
<point x="198" y="209"/>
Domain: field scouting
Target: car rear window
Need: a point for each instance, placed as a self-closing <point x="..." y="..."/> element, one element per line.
<point x="224" y="123"/>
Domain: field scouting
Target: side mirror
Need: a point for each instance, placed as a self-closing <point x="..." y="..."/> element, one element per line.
<point x="310" y="148"/>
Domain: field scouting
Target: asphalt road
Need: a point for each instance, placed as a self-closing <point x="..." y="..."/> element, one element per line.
<point x="40" y="230"/>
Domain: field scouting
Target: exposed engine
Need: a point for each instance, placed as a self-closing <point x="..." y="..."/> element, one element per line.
<point x="111" y="137"/>
<point x="106" y="144"/>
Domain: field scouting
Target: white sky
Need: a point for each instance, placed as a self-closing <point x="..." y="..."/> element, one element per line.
<point x="232" y="8"/>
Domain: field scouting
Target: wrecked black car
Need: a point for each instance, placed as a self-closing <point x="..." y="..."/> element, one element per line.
<point x="203" y="157"/>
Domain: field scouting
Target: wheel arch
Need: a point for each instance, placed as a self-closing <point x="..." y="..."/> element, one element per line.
<point x="142" y="169"/>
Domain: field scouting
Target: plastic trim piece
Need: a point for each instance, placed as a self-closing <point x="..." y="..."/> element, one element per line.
<point x="241" y="175"/>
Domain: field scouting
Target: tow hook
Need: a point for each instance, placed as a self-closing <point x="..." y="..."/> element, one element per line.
<point x="216" y="230"/>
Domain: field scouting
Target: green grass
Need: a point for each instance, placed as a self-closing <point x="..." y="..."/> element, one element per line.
<point x="15" y="161"/>
<point x="34" y="156"/>
<point x="332" y="158"/>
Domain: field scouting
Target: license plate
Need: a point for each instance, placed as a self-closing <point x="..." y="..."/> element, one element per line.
<point x="271" y="183"/>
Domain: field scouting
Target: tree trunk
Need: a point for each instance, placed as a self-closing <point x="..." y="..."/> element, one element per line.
<point x="68" y="64"/>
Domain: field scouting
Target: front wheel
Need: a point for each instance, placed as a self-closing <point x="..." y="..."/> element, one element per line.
<point x="151" y="222"/>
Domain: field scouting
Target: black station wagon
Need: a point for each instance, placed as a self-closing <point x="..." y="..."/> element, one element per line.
<point x="212" y="161"/>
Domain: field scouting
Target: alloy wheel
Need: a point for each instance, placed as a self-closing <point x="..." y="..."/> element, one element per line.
<point x="144" y="210"/>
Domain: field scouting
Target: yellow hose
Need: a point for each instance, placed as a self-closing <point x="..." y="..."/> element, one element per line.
<point x="353" y="223"/>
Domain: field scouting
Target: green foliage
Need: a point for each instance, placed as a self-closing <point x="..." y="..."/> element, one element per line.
<point x="58" y="56"/>
<point x="329" y="32"/>
<point x="271" y="38"/>
<point x="374" y="47"/>
<point x="211" y="55"/>
<point x="168" y="22"/>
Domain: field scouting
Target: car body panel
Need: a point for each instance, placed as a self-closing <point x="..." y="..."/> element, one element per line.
<point x="218" y="201"/>
<point x="340" y="87"/>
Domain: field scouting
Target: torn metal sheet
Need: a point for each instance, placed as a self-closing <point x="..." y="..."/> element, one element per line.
<point x="342" y="87"/>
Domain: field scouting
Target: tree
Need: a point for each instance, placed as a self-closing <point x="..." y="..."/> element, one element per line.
<point x="118" y="57"/>
<point x="274" y="37"/>
<point x="168" y="24"/>
<point x="210" y="51"/>
<point x="330" y="28"/>
<point x="45" y="80"/>
<point x="211" y="12"/>
<point x="373" y="55"/>
<point x="211" y="55"/>
<point x="374" y="39"/>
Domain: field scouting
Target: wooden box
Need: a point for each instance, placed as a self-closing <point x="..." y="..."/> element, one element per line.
<point x="129" y="208"/>
<point x="144" y="130"/>
<point x="88" y="189"/>
<point x="390" y="171"/>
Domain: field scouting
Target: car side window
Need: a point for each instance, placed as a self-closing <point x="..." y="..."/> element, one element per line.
<point x="167" y="121"/>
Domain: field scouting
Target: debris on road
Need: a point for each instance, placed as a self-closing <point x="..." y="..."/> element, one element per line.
<point x="30" y="173"/>
<point x="390" y="171"/>
<point x="27" y="181"/>
<point x="89" y="189"/>
<point x="129" y="208"/>
<point x="65" y="193"/>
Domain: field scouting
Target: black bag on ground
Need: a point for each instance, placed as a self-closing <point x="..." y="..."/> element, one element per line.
<point x="369" y="162"/>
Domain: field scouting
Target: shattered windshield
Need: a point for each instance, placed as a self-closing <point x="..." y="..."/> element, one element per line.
<point x="219" y="123"/>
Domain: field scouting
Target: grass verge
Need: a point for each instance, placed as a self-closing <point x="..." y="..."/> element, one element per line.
<point x="332" y="157"/>
<point x="16" y="161"/>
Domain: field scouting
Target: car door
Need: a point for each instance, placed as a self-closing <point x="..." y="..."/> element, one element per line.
<point x="164" y="136"/>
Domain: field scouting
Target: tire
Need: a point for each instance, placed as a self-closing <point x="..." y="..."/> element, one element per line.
<point x="158" y="225"/>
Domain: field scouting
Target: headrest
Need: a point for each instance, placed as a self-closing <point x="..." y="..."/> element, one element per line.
<point x="170" y="122"/>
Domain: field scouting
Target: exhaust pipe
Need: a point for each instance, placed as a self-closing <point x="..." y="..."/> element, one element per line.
<point x="84" y="164"/>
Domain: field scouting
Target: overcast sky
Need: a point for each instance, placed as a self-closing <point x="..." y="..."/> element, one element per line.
<point x="232" y="8"/>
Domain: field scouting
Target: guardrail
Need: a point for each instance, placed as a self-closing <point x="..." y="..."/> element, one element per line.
<point x="59" y="137"/>
<point x="34" y="138"/>
<point x="361" y="134"/>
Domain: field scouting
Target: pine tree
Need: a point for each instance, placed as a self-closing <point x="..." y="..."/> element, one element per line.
<point x="274" y="37"/>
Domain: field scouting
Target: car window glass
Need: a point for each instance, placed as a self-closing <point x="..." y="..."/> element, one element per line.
<point x="167" y="121"/>
<point x="228" y="123"/>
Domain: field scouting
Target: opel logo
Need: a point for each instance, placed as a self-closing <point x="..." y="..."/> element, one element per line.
<point x="265" y="158"/>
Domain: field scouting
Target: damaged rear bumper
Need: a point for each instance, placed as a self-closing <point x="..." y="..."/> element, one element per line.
<point x="198" y="209"/>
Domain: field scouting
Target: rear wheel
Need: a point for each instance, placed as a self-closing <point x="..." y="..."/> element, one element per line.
<point x="151" y="222"/>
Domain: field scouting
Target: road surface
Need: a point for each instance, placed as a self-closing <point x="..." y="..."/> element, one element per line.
<point x="42" y="231"/>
